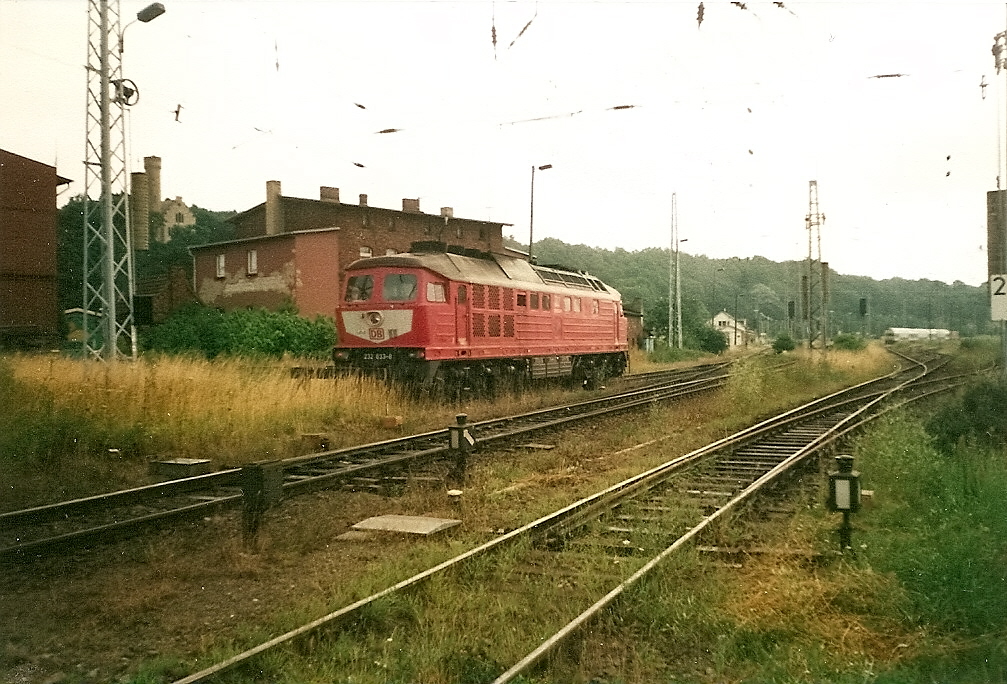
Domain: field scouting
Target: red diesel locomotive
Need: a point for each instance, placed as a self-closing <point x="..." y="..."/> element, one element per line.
<point x="452" y="318"/>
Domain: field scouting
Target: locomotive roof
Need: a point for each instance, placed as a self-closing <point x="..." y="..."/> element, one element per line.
<point x="495" y="269"/>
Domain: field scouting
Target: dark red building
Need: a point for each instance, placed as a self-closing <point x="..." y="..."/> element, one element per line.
<point x="29" y="306"/>
<point x="291" y="250"/>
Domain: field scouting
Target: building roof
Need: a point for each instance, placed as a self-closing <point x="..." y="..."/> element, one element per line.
<point x="237" y="218"/>
<point x="59" y="179"/>
<point x="260" y="238"/>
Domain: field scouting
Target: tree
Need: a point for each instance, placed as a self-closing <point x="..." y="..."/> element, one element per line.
<point x="70" y="253"/>
<point x="161" y="258"/>
<point x="784" y="343"/>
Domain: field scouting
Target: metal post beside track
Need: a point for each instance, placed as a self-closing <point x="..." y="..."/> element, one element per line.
<point x="261" y="487"/>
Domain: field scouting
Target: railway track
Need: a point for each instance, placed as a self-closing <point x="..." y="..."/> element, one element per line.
<point x="648" y="517"/>
<point x="112" y="516"/>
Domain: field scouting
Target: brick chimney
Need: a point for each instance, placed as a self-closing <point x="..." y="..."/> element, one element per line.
<point x="447" y="212"/>
<point x="327" y="194"/>
<point x="411" y="205"/>
<point x="274" y="208"/>
<point x="152" y="167"/>
<point x="139" y="209"/>
<point x="363" y="200"/>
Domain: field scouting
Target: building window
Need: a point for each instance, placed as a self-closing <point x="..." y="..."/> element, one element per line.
<point x="221" y="266"/>
<point x="179" y="217"/>
<point x="253" y="262"/>
<point x="365" y="252"/>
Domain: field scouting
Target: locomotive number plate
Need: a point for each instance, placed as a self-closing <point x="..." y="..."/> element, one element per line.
<point x="377" y="357"/>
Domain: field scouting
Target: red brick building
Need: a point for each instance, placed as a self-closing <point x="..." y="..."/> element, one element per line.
<point x="291" y="250"/>
<point x="29" y="306"/>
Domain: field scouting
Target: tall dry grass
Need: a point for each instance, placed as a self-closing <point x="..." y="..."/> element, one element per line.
<point x="93" y="426"/>
<point x="104" y="421"/>
<point x="232" y="409"/>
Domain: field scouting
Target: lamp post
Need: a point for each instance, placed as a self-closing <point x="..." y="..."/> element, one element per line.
<point x="736" y="295"/>
<point x="109" y="282"/>
<point x="678" y="290"/>
<point x="147" y="14"/>
<point x="531" y="213"/>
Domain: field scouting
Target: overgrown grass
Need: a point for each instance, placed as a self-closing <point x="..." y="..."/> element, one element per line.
<point x="74" y="427"/>
<point x="922" y="599"/>
<point x="302" y="571"/>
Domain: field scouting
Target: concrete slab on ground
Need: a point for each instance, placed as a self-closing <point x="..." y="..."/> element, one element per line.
<point x="408" y="524"/>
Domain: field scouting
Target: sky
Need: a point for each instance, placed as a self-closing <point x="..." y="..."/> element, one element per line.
<point x="632" y="103"/>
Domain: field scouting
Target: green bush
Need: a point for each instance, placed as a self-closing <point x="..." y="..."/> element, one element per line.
<point x="940" y="527"/>
<point x="980" y="418"/>
<point x="247" y="332"/>
<point x="784" y="343"/>
<point x="665" y="354"/>
<point x="710" y="340"/>
<point x="848" y="342"/>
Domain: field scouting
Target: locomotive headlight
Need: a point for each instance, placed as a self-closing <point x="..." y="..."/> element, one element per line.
<point x="374" y="318"/>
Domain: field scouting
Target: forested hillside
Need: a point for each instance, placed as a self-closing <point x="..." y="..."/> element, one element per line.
<point x="760" y="289"/>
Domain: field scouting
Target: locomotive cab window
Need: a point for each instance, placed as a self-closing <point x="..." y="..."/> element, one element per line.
<point x="399" y="287"/>
<point x="534" y="300"/>
<point x="359" y="288"/>
<point x="594" y="306"/>
<point x="546" y="305"/>
<point x="436" y="292"/>
<point x="463" y="294"/>
<point x="576" y="304"/>
<point x="522" y="299"/>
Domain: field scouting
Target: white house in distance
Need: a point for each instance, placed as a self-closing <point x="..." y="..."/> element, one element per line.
<point x="735" y="331"/>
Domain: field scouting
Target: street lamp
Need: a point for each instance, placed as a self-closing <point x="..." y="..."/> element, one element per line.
<point x="150" y="12"/>
<point x="147" y="14"/>
<point x="531" y="216"/>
